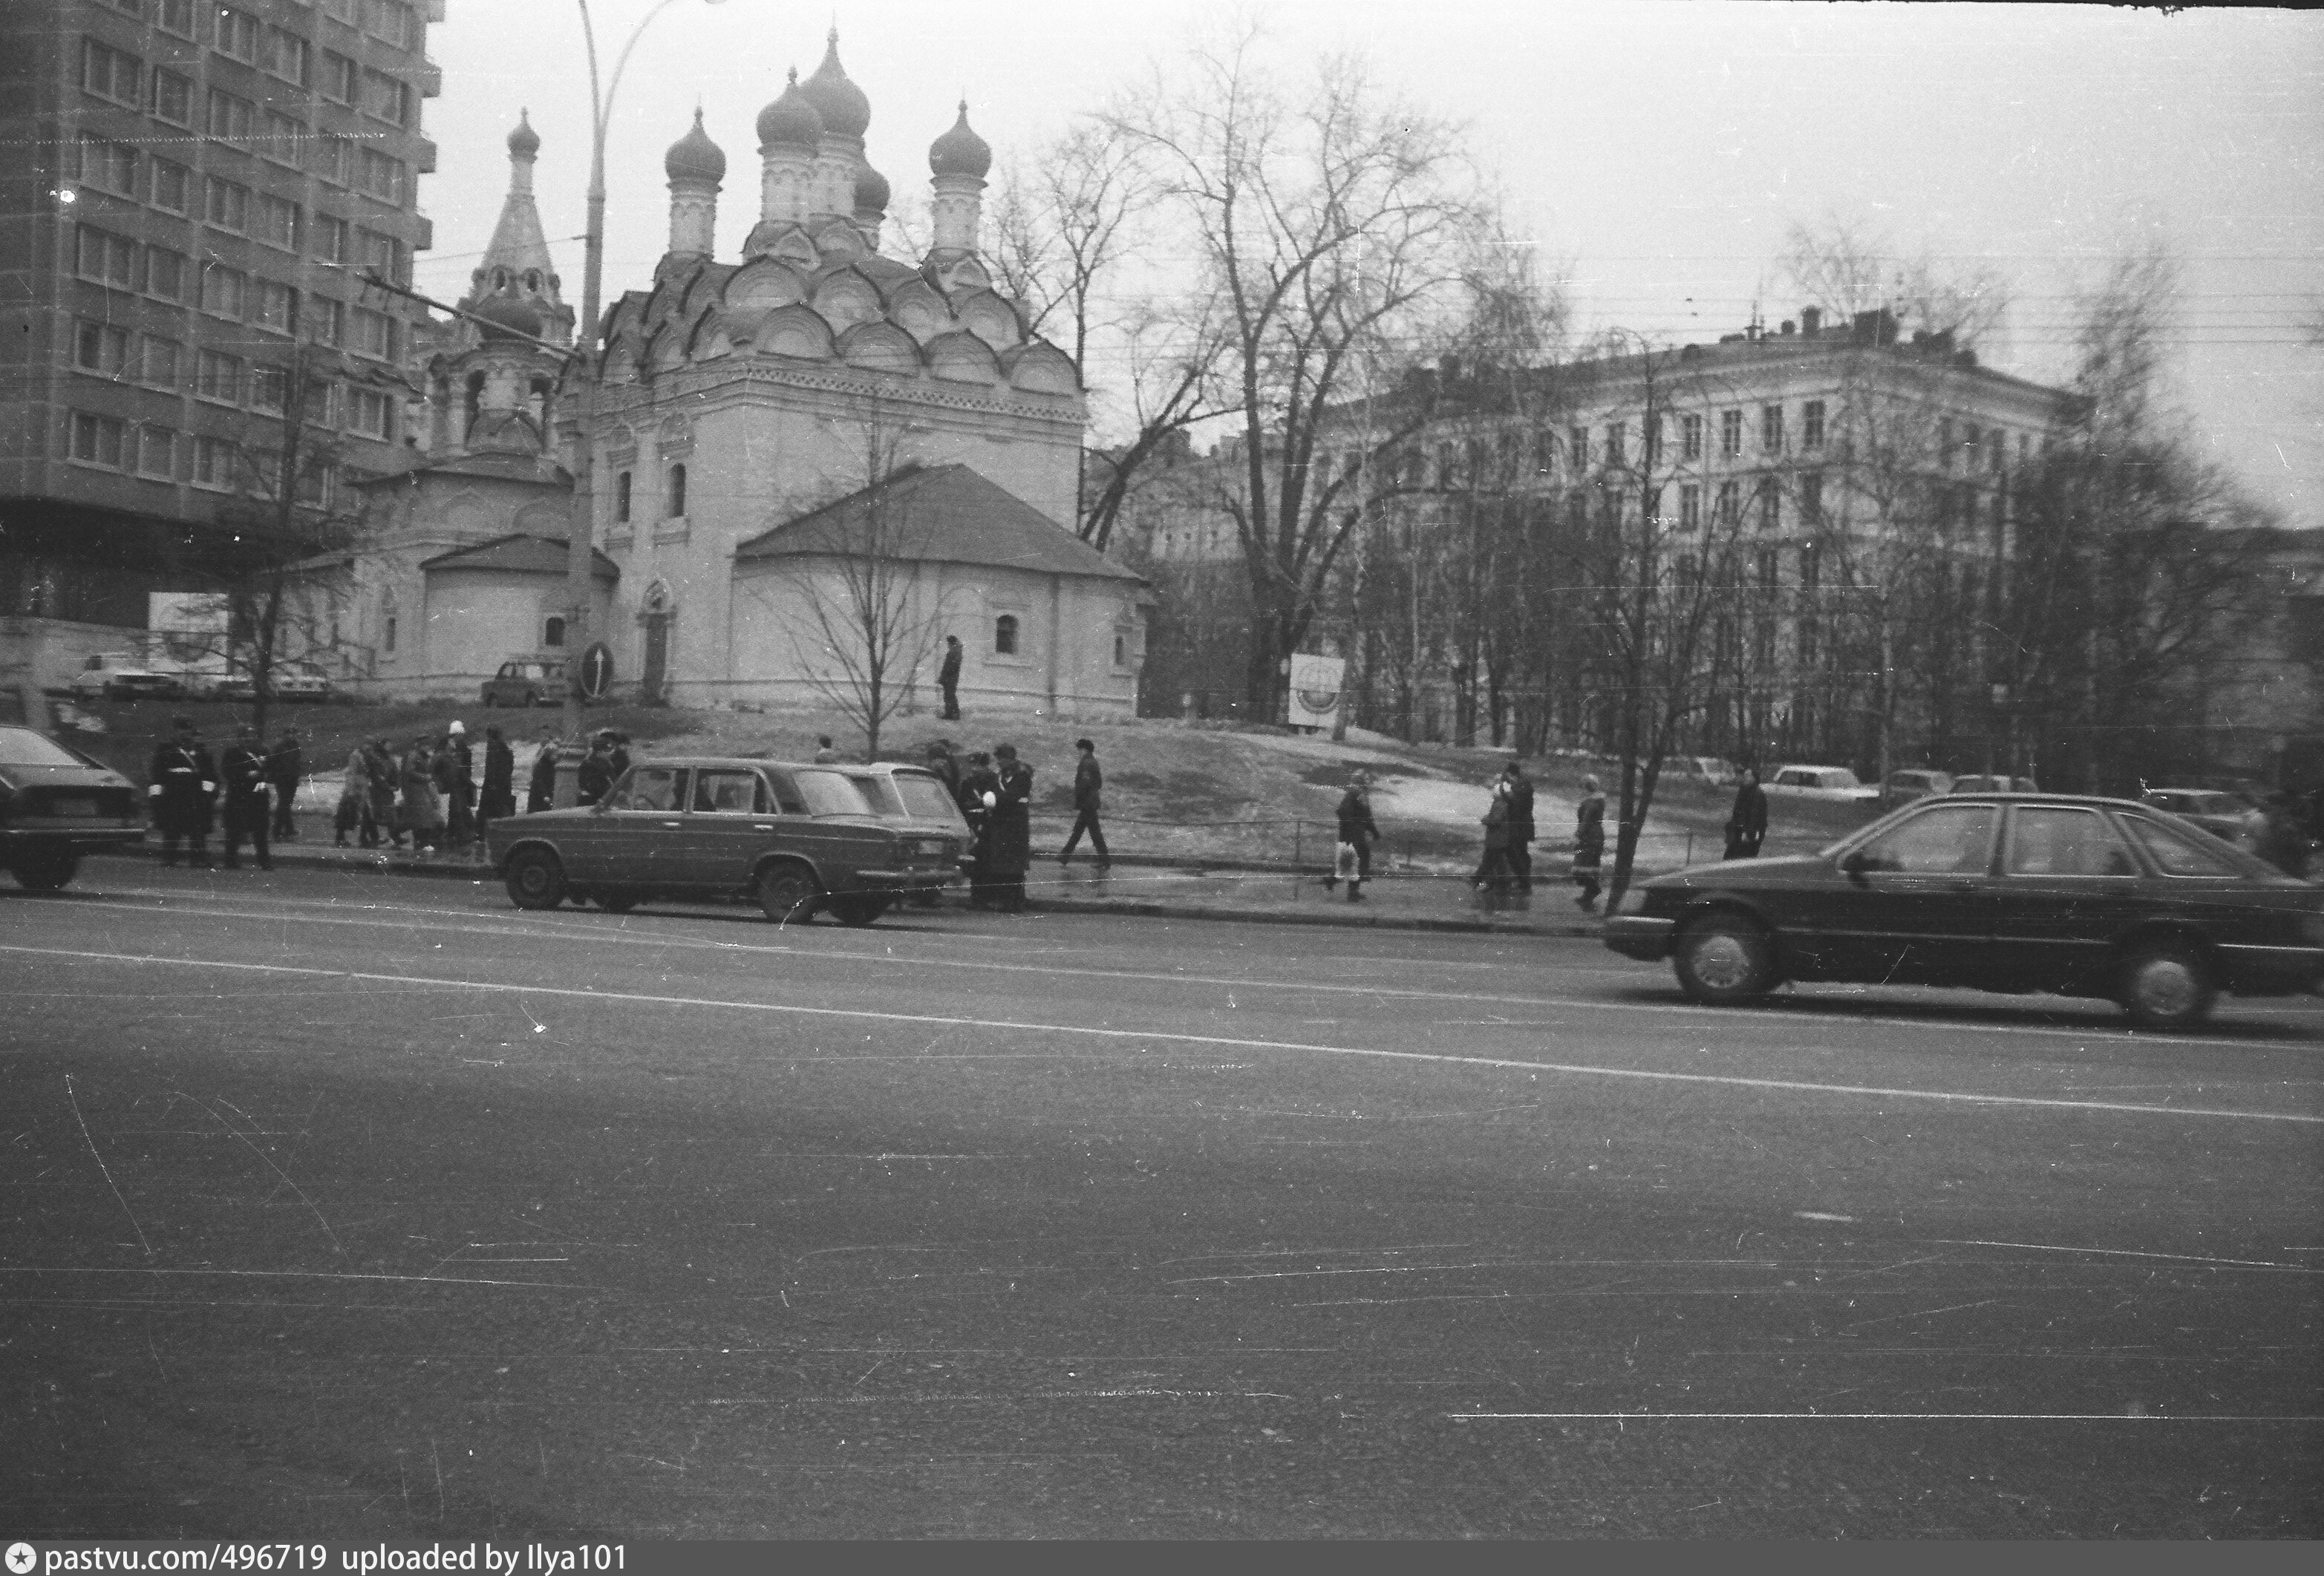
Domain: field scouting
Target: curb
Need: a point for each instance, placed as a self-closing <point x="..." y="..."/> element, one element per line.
<point x="1127" y="907"/>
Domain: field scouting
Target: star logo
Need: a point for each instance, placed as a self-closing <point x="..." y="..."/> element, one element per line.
<point x="20" y="1559"/>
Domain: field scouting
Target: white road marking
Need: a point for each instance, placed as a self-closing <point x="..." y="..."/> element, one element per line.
<point x="2133" y="1253"/>
<point x="862" y="1015"/>
<point x="1878" y="1417"/>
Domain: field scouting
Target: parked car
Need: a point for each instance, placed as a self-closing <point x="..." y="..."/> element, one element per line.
<point x="2053" y="892"/>
<point x="298" y="683"/>
<point x="798" y="838"/>
<point x="1913" y="783"/>
<point x="119" y="676"/>
<point x="525" y="684"/>
<point x="1819" y="782"/>
<point x="2221" y="814"/>
<point x="56" y="805"/>
<point x="1707" y="769"/>
<point x="1981" y="783"/>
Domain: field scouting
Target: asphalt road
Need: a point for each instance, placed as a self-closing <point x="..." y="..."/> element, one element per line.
<point x="355" y="1207"/>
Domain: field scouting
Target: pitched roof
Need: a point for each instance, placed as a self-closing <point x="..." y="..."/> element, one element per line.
<point x="945" y="514"/>
<point x="520" y="553"/>
<point x="500" y="464"/>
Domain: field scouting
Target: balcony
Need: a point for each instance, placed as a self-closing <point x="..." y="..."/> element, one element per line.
<point x="431" y="10"/>
<point x="423" y="156"/>
<point x="428" y="78"/>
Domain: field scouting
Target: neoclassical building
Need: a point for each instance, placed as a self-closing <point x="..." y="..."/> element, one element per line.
<point x="819" y="377"/>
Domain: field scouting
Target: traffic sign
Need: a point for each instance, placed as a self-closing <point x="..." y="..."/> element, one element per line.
<point x="596" y="672"/>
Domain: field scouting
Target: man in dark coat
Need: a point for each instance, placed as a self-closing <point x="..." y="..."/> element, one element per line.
<point x="1747" y="823"/>
<point x="1520" y="850"/>
<point x="242" y="768"/>
<point x="1589" y="843"/>
<point x="597" y="771"/>
<point x="1358" y="832"/>
<point x="1012" y="827"/>
<point x="948" y="679"/>
<point x="980" y="793"/>
<point x="1089" y="787"/>
<point x="540" y="790"/>
<point x="459" y="787"/>
<point x="183" y="782"/>
<point x="942" y="761"/>
<point x="499" y="795"/>
<point x="286" y="766"/>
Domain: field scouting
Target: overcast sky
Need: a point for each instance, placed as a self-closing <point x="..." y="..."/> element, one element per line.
<point x="1657" y="149"/>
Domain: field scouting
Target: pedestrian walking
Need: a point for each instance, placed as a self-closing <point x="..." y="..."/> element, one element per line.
<point x="386" y="777"/>
<point x="421" y="812"/>
<point x="353" y="812"/>
<point x="979" y="796"/>
<point x="457" y="779"/>
<point x="1351" y="861"/>
<point x="182" y="783"/>
<point x="1747" y="823"/>
<point x="948" y="679"/>
<point x="1012" y="828"/>
<point x="286" y="769"/>
<point x="598" y="773"/>
<point x="1521" y="831"/>
<point x="1589" y="843"/>
<point x="824" y="754"/>
<point x="498" y="796"/>
<point x="1494" y="875"/>
<point x="1089" y="787"/>
<point x="242" y="767"/>
<point x="540" y="787"/>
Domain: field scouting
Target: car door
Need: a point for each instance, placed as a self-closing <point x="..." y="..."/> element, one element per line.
<point x="2069" y="885"/>
<point x="638" y="839"/>
<point x="730" y="822"/>
<point x="1916" y="904"/>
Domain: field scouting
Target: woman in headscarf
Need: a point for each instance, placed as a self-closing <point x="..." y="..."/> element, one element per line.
<point x="423" y="805"/>
<point x="1589" y="843"/>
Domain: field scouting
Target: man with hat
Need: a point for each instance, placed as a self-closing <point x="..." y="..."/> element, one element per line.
<point x="460" y="786"/>
<point x="243" y="768"/>
<point x="980" y="793"/>
<point x="598" y="773"/>
<point x="1012" y="827"/>
<point x="1089" y="784"/>
<point x="182" y="781"/>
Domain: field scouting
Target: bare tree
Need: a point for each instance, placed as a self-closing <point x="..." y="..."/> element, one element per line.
<point x="1846" y="270"/>
<point x="1322" y="222"/>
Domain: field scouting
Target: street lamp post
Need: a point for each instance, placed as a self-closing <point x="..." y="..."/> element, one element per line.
<point x="581" y="535"/>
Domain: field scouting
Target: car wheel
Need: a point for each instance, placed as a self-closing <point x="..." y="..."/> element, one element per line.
<point x="788" y="894"/>
<point x="858" y="910"/>
<point x="2166" y="987"/>
<point x="535" y="878"/>
<point x="1724" y="959"/>
<point x="617" y="902"/>
<point x="45" y="872"/>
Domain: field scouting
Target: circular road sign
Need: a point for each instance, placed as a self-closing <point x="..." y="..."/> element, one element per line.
<point x="596" y="672"/>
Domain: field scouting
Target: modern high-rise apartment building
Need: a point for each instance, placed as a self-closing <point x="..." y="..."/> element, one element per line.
<point x="194" y="195"/>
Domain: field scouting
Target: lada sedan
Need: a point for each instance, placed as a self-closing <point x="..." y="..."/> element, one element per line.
<point x="56" y="805"/>
<point x="800" y="839"/>
<point x="2017" y="892"/>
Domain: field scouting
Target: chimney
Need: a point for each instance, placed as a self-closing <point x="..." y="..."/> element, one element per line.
<point x="1811" y="320"/>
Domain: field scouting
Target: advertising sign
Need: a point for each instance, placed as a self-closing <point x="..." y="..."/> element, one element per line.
<point x="1315" y="690"/>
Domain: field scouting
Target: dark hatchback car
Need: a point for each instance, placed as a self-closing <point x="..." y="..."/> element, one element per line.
<point x="799" y="839"/>
<point x="2016" y="892"/>
<point x="56" y="804"/>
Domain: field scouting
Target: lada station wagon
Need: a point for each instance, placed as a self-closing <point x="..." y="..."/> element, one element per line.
<point x="2016" y="892"/>
<point x="799" y="839"/>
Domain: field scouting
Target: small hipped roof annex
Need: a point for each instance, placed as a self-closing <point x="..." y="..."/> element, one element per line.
<point x="946" y="514"/>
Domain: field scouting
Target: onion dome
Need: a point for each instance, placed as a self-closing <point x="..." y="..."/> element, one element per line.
<point x="791" y="119"/>
<point x="510" y="313"/>
<point x="870" y="192"/>
<point x="960" y="151"/>
<point x="524" y="141"/>
<point x="695" y="157"/>
<point x="846" y="111"/>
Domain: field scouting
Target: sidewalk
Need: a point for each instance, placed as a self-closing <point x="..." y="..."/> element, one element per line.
<point x="1174" y="888"/>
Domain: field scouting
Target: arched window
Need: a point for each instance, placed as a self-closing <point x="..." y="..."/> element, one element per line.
<point x="675" y="504"/>
<point x="1004" y="635"/>
<point x="499" y="279"/>
<point x="553" y="634"/>
<point x="532" y="281"/>
<point x="622" y="498"/>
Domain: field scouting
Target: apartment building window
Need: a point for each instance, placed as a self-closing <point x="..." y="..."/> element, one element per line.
<point x="387" y="637"/>
<point x="1811" y="424"/>
<point x="1771" y="504"/>
<point x="379" y="176"/>
<point x="1650" y="507"/>
<point x="276" y="306"/>
<point x="1811" y="498"/>
<point x="1945" y="442"/>
<point x="108" y="73"/>
<point x="173" y="98"/>
<point x="237" y="35"/>
<point x="106" y="259"/>
<point x="1771" y="428"/>
<point x="101" y="348"/>
<point x="346" y="11"/>
<point x="225" y="204"/>
<point x="374" y="250"/>
<point x="214" y="463"/>
<point x="1689" y="507"/>
<point x="1998" y="449"/>
<point x="157" y="452"/>
<point x="1577" y="512"/>
<point x="1654" y="441"/>
<point x="330" y="157"/>
<point x="390" y="22"/>
<point x="1618" y="443"/>
<point x="286" y="56"/>
<point x="1972" y="448"/>
<point x="1690" y="437"/>
<point x="1731" y="433"/>
<point x="177" y="16"/>
<point x="1812" y="566"/>
<point x="1444" y="465"/>
<point x="269" y="390"/>
<point x="369" y="414"/>
<point x="278" y="223"/>
<point x="338" y="80"/>
<point x="158" y="362"/>
<point x="673" y="499"/>
<point x="110" y="166"/>
<point x="165" y="274"/>
<point x="327" y="321"/>
<point x="1544" y="451"/>
<point x="622" y="498"/>
<point x="284" y="140"/>
<point x="217" y="377"/>
<point x="97" y="440"/>
<point x="173" y="186"/>
<point x="315" y="486"/>
<point x="231" y="118"/>
<point x="371" y="333"/>
<point x="1730" y="504"/>
<point x="386" y="98"/>
<point x="331" y="239"/>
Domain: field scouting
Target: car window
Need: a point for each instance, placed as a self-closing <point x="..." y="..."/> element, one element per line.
<point x="879" y="794"/>
<point x="2175" y="852"/>
<point x="729" y="793"/>
<point x="1950" y="840"/>
<point x="926" y="799"/>
<point x="833" y="793"/>
<point x="23" y="747"/>
<point x="2056" y="840"/>
<point x="648" y="788"/>
<point x="1796" y="779"/>
<point x="788" y="797"/>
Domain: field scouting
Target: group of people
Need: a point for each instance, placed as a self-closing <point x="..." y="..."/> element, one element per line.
<point x="427" y="798"/>
<point x="995" y="794"/>
<point x="248" y="786"/>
